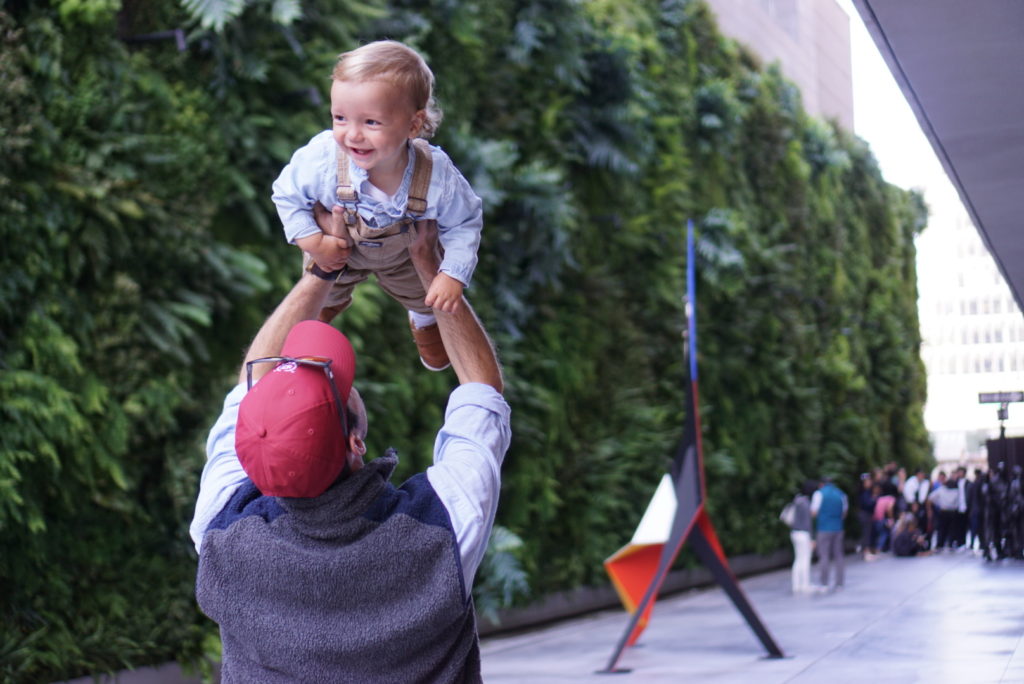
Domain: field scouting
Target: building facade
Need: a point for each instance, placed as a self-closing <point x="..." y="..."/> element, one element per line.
<point x="973" y="335"/>
<point x="811" y="41"/>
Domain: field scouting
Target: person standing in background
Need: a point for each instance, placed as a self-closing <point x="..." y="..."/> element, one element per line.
<point x="960" y="518"/>
<point x="883" y="517"/>
<point x="976" y="510"/>
<point x="865" y="515"/>
<point x="915" y="493"/>
<point x="829" y="506"/>
<point x="943" y="502"/>
<point x="800" y="535"/>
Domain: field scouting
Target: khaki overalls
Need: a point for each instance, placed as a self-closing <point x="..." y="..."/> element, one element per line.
<point x="382" y="251"/>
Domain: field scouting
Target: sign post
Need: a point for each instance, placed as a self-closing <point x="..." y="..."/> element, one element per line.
<point x="1004" y="399"/>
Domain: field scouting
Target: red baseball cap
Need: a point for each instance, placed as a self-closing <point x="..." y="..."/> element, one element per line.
<point x="289" y="436"/>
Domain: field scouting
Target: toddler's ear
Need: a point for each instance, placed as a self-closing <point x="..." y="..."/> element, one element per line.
<point x="417" y="123"/>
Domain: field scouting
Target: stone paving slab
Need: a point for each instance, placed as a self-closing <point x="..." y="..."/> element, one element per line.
<point x="948" y="618"/>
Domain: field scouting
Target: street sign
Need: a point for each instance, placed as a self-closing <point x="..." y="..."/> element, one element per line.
<point x="999" y="397"/>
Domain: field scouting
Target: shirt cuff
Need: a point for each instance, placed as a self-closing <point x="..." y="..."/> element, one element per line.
<point x="461" y="272"/>
<point x="478" y="394"/>
<point x="300" y="229"/>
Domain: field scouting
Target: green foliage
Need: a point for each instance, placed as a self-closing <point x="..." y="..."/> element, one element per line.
<point x="142" y="252"/>
<point x="503" y="577"/>
<point x="215" y="14"/>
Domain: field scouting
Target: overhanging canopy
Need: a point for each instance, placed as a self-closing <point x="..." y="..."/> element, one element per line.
<point x="961" y="67"/>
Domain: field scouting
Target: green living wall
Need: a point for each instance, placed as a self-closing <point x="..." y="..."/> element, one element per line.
<point x="141" y="252"/>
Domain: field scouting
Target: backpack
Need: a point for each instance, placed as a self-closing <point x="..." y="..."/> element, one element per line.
<point x="788" y="514"/>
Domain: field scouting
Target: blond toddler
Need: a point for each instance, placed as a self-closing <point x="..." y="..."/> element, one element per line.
<point x="377" y="168"/>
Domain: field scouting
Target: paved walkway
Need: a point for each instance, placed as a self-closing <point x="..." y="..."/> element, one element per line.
<point x="949" y="618"/>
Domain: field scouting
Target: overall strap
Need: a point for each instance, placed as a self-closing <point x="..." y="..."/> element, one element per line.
<point x="346" y="194"/>
<point x="417" y="202"/>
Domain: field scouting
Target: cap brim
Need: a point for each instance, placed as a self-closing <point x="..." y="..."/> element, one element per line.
<point x="318" y="339"/>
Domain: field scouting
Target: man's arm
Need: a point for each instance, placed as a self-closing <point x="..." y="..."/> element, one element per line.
<point x="469" y="349"/>
<point x="304" y="302"/>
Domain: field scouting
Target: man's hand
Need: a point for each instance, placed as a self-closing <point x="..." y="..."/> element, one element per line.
<point x="423" y="251"/>
<point x="305" y="300"/>
<point x="331" y="248"/>
<point x="444" y="293"/>
<point x="469" y="349"/>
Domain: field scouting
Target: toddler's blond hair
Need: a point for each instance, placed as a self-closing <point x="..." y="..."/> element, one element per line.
<point x="399" y="65"/>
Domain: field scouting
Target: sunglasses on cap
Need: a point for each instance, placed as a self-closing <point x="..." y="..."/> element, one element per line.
<point x="320" y="362"/>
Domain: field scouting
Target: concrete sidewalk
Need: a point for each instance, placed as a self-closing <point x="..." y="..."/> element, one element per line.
<point x="950" y="618"/>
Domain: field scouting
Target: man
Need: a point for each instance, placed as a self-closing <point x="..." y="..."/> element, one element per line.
<point x="1015" y="514"/>
<point x="996" y="500"/>
<point x="960" y="517"/>
<point x="829" y="506"/>
<point x="976" y="509"/>
<point x="315" y="567"/>
<point x="915" y="494"/>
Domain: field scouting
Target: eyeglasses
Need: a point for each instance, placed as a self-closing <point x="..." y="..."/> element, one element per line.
<point x="312" y="362"/>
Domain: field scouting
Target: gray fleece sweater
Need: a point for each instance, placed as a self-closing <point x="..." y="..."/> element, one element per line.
<point x="360" y="584"/>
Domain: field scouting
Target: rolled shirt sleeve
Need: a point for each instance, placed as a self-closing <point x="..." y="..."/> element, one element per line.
<point x="460" y="218"/>
<point x="223" y="472"/>
<point x="466" y="474"/>
<point x="310" y="176"/>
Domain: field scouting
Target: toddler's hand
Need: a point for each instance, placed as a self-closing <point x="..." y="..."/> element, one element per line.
<point x="444" y="294"/>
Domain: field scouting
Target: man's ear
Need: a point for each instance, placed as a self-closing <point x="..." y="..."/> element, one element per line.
<point x="356" y="450"/>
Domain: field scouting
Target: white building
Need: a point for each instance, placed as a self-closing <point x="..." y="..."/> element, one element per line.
<point x="973" y="334"/>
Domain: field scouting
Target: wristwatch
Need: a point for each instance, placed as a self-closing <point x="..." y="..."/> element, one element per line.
<point x="315" y="269"/>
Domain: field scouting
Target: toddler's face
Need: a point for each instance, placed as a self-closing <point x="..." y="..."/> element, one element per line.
<point x="372" y="122"/>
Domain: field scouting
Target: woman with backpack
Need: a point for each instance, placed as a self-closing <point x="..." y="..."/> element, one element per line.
<point x="800" y="535"/>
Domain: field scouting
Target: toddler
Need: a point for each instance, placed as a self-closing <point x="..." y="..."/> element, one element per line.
<point x="377" y="166"/>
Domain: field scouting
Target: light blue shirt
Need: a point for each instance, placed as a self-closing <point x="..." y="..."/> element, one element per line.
<point x="466" y="474"/>
<point x="312" y="175"/>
